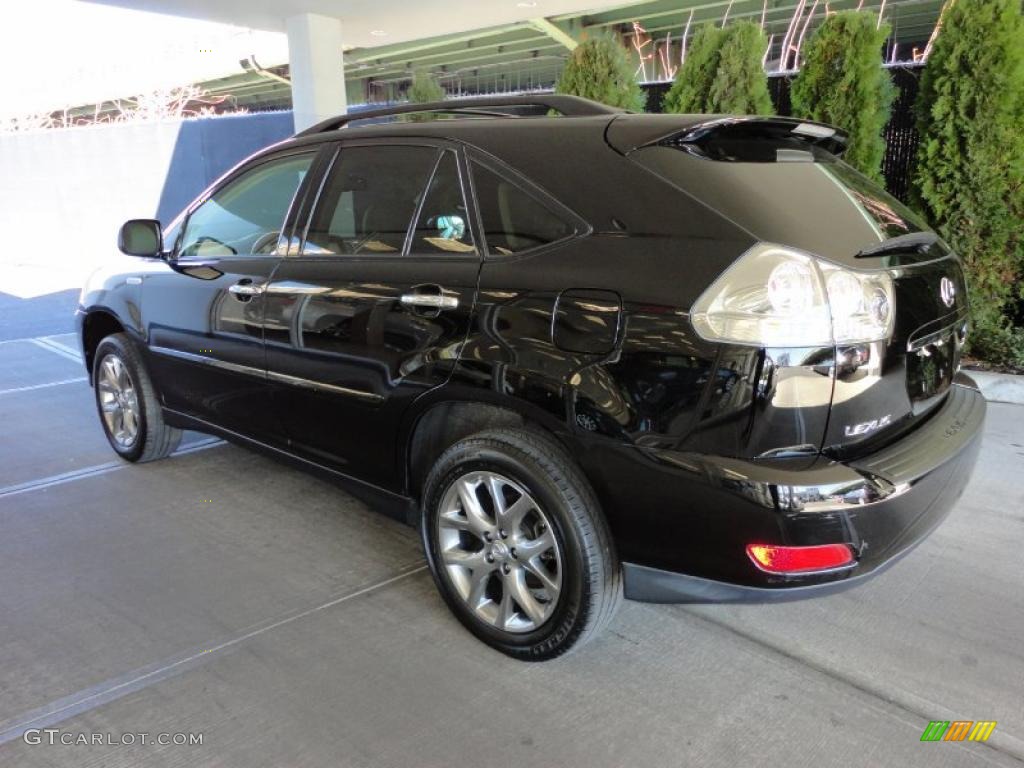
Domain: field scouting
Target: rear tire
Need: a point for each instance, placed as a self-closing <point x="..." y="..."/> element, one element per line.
<point x="518" y="545"/>
<point x="127" y="403"/>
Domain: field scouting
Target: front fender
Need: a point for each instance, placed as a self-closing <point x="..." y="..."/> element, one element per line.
<point x="111" y="296"/>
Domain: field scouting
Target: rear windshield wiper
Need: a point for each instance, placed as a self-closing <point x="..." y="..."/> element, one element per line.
<point x="913" y="242"/>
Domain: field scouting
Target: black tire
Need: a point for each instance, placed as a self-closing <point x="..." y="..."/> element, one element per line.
<point x="591" y="582"/>
<point x="153" y="439"/>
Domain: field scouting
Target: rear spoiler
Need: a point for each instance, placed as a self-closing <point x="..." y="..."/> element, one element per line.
<point x="699" y="137"/>
<point x="702" y="133"/>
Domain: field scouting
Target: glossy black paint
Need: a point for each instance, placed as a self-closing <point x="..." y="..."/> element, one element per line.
<point x="199" y="330"/>
<point x="695" y="449"/>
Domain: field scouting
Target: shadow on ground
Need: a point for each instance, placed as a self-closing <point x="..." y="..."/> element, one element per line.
<point x="45" y="315"/>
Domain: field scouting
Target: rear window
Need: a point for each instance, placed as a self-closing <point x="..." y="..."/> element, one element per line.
<point x="514" y="221"/>
<point x="819" y="204"/>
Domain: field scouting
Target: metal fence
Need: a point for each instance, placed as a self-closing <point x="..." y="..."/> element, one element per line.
<point x="901" y="135"/>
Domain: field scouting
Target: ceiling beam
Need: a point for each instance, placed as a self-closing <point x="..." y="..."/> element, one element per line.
<point x="897" y="12"/>
<point x="507" y="70"/>
<point x="594" y="20"/>
<point x="430" y="59"/>
<point x="555" y="32"/>
<point x="359" y="55"/>
<point x="397" y="68"/>
<point x="682" y="10"/>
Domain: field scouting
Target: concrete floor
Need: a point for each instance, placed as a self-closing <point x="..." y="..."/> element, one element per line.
<point x="222" y="593"/>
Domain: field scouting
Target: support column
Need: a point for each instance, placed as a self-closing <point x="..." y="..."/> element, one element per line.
<point x="317" y="68"/>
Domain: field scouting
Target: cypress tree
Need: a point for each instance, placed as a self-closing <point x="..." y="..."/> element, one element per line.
<point x="842" y="82"/>
<point x="600" y="69"/>
<point x="424" y="89"/>
<point x="970" y="161"/>
<point x="741" y="85"/>
<point x="693" y="81"/>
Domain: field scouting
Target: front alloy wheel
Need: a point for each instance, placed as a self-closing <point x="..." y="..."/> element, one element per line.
<point x="499" y="551"/>
<point x="127" y="403"/>
<point x="118" y="400"/>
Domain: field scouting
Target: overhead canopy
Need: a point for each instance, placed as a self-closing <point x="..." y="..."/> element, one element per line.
<point x="476" y="46"/>
<point x="399" y="20"/>
<point x="512" y="22"/>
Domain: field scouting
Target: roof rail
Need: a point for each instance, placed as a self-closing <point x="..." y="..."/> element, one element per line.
<point x="486" y="106"/>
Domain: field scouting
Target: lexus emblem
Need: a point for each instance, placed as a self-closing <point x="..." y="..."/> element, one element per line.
<point x="947" y="291"/>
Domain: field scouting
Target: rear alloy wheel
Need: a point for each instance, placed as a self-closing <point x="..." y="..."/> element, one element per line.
<point x="499" y="551"/>
<point x="518" y="545"/>
<point x="127" y="403"/>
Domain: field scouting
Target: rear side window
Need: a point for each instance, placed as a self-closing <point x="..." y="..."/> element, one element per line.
<point x="246" y="215"/>
<point x="442" y="225"/>
<point x="513" y="220"/>
<point x="369" y="200"/>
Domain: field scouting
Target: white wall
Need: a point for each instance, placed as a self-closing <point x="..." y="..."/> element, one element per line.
<point x="64" y="193"/>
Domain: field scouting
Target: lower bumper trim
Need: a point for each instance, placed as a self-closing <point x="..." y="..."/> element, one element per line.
<point x="653" y="585"/>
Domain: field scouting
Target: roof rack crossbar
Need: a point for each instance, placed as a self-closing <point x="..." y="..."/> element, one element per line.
<point x="570" y="106"/>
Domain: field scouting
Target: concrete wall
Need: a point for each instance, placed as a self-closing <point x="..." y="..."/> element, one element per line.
<point x="64" y="193"/>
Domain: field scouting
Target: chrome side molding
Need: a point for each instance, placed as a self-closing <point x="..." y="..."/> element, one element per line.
<point x="282" y="378"/>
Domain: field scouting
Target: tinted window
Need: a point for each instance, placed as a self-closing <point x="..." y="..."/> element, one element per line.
<point x="826" y="207"/>
<point x="443" y="225"/>
<point x="246" y="215"/>
<point x="514" y="220"/>
<point x="369" y="200"/>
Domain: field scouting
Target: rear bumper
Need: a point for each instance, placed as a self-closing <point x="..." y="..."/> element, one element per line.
<point x="653" y="585"/>
<point x="882" y="505"/>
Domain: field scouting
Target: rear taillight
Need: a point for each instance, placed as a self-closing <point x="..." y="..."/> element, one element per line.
<point x="775" y="296"/>
<point x="794" y="560"/>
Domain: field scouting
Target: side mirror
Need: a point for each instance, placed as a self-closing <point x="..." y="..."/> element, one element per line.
<point x="141" y="237"/>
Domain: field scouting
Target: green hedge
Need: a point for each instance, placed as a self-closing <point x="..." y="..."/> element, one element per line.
<point x="842" y="82"/>
<point x="693" y="81"/>
<point x="723" y="73"/>
<point x="424" y="89"/>
<point x="600" y="69"/>
<point x="970" y="172"/>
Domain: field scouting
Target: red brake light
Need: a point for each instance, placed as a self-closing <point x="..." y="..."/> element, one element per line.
<point x="776" y="559"/>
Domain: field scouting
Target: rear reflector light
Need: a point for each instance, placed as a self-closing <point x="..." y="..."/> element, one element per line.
<point x="775" y="559"/>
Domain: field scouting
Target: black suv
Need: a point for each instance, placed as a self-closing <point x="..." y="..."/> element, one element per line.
<point x="588" y="353"/>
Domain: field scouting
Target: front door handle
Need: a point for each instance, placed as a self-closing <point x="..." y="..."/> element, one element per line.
<point x="245" y="290"/>
<point x="429" y="301"/>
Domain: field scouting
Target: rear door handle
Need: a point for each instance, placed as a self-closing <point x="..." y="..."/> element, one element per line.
<point x="429" y="301"/>
<point x="246" y="290"/>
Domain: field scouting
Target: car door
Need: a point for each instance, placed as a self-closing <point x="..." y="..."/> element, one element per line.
<point x="375" y="307"/>
<point x="204" y="311"/>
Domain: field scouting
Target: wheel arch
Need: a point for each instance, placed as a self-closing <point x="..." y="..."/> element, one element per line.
<point x="96" y="326"/>
<point x="440" y="422"/>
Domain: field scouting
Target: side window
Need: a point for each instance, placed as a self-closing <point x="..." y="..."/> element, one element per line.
<point x="514" y="220"/>
<point x="369" y="200"/>
<point x="442" y="226"/>
<point x="245" y="216"/>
